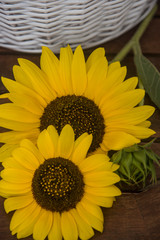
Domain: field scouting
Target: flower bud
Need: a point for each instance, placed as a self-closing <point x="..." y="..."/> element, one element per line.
<point x="137" y="168"/>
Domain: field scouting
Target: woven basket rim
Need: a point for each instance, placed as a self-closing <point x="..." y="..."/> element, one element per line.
<point x="27" y="25"/>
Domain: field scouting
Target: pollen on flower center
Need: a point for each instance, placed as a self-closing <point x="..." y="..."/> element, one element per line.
<point x="58" y="185"/>
<point x="78" y="111"/>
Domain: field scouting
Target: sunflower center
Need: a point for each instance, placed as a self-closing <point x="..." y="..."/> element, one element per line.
<point x="78" y="111"/>
<point x="58" y="185"/>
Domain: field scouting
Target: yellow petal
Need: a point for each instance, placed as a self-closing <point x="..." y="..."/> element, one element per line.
<point x="45" y="145"/>
<point x="6" y="150"/>
<point x="43" y="225"/>
<point x="26" y="228"/>
<point x="14" y="203"/>
<point x="92" y="208"/>
<point x="100" y="200"/>
<point x="99" y="151"/>
<point x="118" y="140"/>
<point x="21" y="77"/>
<point x="79" y="139"/>
<point x="37" y="79"/>
<point x="109" y="191"/>
<point x="81" y="150"/>
<point x="66" y="142"/>
<point x="116" y="77"/>
<point x="10" y="162"/>
<point x="68" y="226"/>
<point x="14" y="175"/>
<point x="85" y="231"/>
<point x="21" y="214"/>
<point x="134" y="116"/>
<point x="97" y="162"/>
<point x="125" y="86"/>
<point x="15" y="113"/>
<point x="50" y="65"/>
<point x="66" y="56"/>
<point x="89" y="217"/>
<point x="96" y="76"/>
<point x="93" y="162"/>
<point x="113" y="167"/>
<point x="26" y="158"/>
<point x="55" y="231"/>
<point x="4" y="95"/>
<point x="17" y="87"/>
<point x="101" y="178"/>
<point x="109" y="166"/>
<point x="11" y="189"/>
<point x="78" y="72"/>
<point x="14" y="137"/>
<point x="27" y="144"/>
<point x="112" y="80"/>
<point x="18" y="126"/>
<point x="53" y="135"/>
<point x="29" y="103"/>
<point x="126" y="100"/>
<point x="96" y="54"/>
<point x="144" y="124"/>
<point x="137" y="131"/>
<point x="113" y="66"/>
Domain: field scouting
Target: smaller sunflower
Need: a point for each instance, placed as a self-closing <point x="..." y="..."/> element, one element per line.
<point x="55" y="189"/>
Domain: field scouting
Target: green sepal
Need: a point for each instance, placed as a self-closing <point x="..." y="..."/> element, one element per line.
<point x="152" y="156"/>
<point x="127" y="163"/>
<point x="133" y="148"/>
<point x="151" y="168"/>
<point x="116" y="157"/>
<point x="140" y="156"/>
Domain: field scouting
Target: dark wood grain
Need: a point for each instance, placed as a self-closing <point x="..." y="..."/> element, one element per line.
<point x="134" y="216"/>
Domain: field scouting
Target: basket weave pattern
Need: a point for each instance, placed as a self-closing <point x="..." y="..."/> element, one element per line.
<point x="27" y="25"/>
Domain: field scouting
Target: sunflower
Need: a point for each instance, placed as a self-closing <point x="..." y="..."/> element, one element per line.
<point x="55" y="189"/>
<point x="91" y="96"/>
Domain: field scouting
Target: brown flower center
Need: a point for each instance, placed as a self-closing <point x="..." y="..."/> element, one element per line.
<point x="58" y="185"/>
<point x="78" y="111"/>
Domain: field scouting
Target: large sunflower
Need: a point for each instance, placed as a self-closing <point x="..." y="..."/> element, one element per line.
<point x="92" y="97"/>
<point x="55" y="190"/>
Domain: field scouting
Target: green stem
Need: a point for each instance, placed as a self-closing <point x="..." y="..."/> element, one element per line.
<point x="137" y="50"/>
<point x="136" y="37"/>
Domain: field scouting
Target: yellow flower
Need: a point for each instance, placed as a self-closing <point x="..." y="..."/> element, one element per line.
<point x="90" y="96"/>
<point x="55" y="189"/>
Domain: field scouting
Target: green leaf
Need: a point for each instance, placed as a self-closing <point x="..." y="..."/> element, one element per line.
<point x="157" y="156"/>
<point x="140" y="156"/>
<point x="127" y="163"/>
<point x="153" y="172"/>
<point x="149" y="76"/>
<point x="122" y="171"/>
<point x="138" y="166"/>
<point x="116" y="157"/>
<point x="137" y="174"/>
<point x="133" y="148"/>
<point x="152" y="156"/>
<point x="147" y="145"/>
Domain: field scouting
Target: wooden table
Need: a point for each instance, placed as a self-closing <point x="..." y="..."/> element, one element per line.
<point x="134" y="216"/>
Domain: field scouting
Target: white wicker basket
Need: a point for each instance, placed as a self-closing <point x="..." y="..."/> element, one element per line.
<point x="26" y="25"/>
